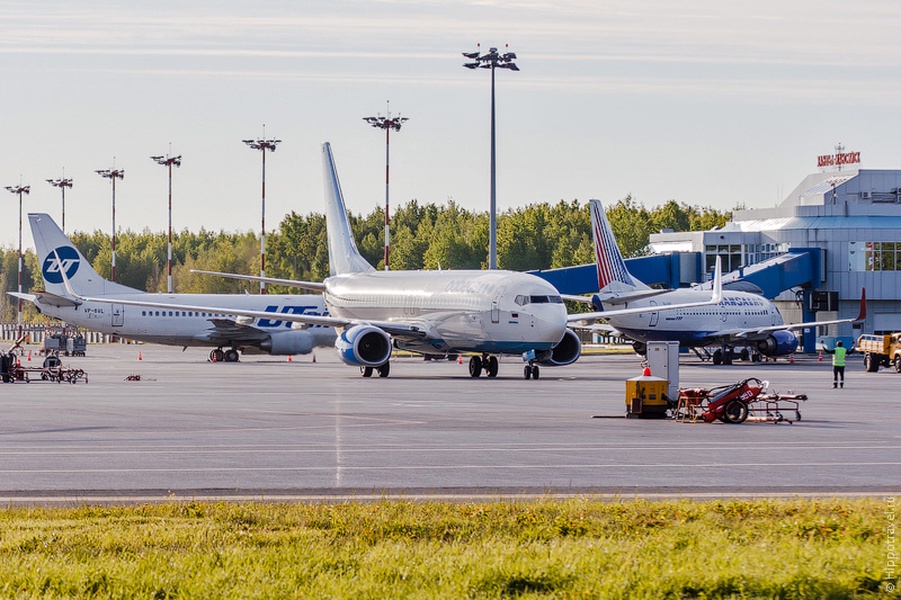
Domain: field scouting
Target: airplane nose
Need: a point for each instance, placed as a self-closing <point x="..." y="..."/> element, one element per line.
<point x="551" y="324"/>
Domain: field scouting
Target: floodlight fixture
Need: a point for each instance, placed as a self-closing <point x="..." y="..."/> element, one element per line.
<point x="263" y="144"/>
<point x="388" y="123"/>
<point x="62" y="183"/>
<point x="169" y="162"/>
<point x="492" y="60"/>
<point x="20" y="190"/>
<point x="112" y="174"/>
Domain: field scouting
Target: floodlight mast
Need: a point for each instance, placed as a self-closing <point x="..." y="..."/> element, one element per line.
<point x="169" y="162"/>
<point x="492" y="60"/>
<point x="262" y="144"/>
<point x="387" y="123"/>
<point x="62" y="184"/>
<point x="20" y="190"/>
<point x="113" y="174"/>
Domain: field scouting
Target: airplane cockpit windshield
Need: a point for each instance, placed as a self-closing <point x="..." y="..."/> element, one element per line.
<point x="522" y="300"/>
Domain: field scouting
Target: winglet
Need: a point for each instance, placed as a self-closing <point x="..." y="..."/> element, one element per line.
<point x="862" y="315"/>
<point x="717" y="283"/>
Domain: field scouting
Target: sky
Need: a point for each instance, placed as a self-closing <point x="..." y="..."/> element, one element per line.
<point x="704" y="102"/>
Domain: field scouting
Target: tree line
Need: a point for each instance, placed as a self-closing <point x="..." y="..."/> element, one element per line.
<point x="423" y="236"/>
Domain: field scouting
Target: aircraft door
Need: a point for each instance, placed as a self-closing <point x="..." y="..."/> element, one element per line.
<point x="118" y="315"/>
<point x="655" y="316"/>
<point x="495" y="306"/>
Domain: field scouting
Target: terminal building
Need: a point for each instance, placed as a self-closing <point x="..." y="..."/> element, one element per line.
<point x="835" y="234"/>
<point x="848" y="223"/>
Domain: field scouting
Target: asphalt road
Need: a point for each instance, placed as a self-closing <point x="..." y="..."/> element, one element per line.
<point x="267" y="428"/>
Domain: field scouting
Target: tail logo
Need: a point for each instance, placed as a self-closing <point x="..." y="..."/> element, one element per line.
<point x="68" y="262"/>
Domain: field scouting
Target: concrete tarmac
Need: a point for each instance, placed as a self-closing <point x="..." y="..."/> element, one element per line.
<point x="266" y="428"/>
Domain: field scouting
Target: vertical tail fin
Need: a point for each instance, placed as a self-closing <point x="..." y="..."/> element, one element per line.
<point x="613" y="276"/>
<point x="343" y="256"/>
<point x="58" y="255"/>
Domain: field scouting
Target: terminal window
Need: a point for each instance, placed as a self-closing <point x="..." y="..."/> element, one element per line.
<point x="874" y="256"/>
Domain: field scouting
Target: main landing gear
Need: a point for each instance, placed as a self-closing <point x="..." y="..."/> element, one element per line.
<point x="382" y="370"/>
<point x="220" y="355"/>
<point x="531" y="371"/>
<point x="486" y="363"/>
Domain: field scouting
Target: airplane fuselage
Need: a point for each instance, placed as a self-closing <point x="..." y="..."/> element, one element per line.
<point x="476" y="311"/>
<point x="700" y="326"/>
<point x="189" y="327"/>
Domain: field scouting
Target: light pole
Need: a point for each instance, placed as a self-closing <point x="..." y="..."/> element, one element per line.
<point x="20" y="190"/>
<point x="169" y="161"/>
<point x="492" y="60"/>
<point x="62" y="184"/>
<point x="113" y="174"/>
<point x="263" y="144"/>
<point x="386" y="123"/>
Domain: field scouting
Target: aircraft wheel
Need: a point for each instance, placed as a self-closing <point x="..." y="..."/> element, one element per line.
<point x="897" y="364"/>
<point x="735" y="412"/>
<point x="527" y="372"/>
<point x="745" y="355"/>
<point x="491" y="366"/>
<point x="218" y="355"/>
<point x="535" y="372"/>
<point x="366" y="371"/>
<point x="231" y="355"/>
<point x="717" y="357"/>
<point x="384" y="370"/>
<point x="475" y="366"/>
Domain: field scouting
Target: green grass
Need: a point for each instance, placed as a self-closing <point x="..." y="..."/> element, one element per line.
<point x="395" y="549"/>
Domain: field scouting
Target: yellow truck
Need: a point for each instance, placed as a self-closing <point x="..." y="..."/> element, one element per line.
<point x="880" y="351"/>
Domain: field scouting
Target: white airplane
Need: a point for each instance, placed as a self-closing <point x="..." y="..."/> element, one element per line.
<point x="430" y="312"/>
<point x="188" y="320"/>
<point x="740" y="319"/>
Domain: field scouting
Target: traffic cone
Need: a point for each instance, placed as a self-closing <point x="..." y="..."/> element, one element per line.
<point x="459" y="359"/>
<point x="29" y="356"/>
<point x="820" y="356"/>
<point x="290" y="358"/>
<point x="314" y="357"/>
<point x="792" y="359"/>
<point x="140" y="357"/>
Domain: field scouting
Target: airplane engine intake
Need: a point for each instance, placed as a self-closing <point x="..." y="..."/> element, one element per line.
<point x="363" y="346"/>
<point x="288" y="343"/>
<point x="779" y="343"/>
<point x="566" y="352"/>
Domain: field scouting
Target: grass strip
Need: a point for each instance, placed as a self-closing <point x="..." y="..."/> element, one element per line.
<point x="825" y="548"/>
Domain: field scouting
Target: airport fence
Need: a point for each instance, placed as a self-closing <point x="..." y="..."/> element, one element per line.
<point x="38" y="332"/>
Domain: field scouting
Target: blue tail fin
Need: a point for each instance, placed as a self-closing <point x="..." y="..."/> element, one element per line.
<point x="613" y="276"/>
<point x="58" y="255"/>
<point x="343" y="256"/>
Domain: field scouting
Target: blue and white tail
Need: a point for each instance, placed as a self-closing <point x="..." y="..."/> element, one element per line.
<point x="343" y="256"/>
<point x="58" y="255"/>
<point x="613" y="276"/>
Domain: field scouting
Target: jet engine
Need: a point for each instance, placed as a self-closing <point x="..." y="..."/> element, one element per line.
<point x="363" y="346"/>
<point x="779" y="343"/>
<point x="291" y="342"/>
<point x="566" y="352"/>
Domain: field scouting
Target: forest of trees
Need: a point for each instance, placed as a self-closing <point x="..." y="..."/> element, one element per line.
<point x="538" y="236"/>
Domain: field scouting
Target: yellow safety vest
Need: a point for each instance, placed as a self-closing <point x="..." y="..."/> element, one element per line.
<point x="838" y="359"/>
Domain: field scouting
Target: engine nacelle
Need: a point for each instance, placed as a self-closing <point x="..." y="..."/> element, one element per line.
<point x="363" y="346"/>
<point x="286" y="343"/>
<point x="566" y="352"/>
<point x="779" y="343"/>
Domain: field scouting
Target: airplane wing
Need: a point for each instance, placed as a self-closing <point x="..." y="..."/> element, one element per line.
<point x="716" y="296"/>
<point x="307" y="285"/>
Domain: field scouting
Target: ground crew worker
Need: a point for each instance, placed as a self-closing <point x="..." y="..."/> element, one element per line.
<point x="838" y="363"/>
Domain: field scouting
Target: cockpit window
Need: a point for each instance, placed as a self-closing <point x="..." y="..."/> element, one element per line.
<point x="523" y="300"/>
